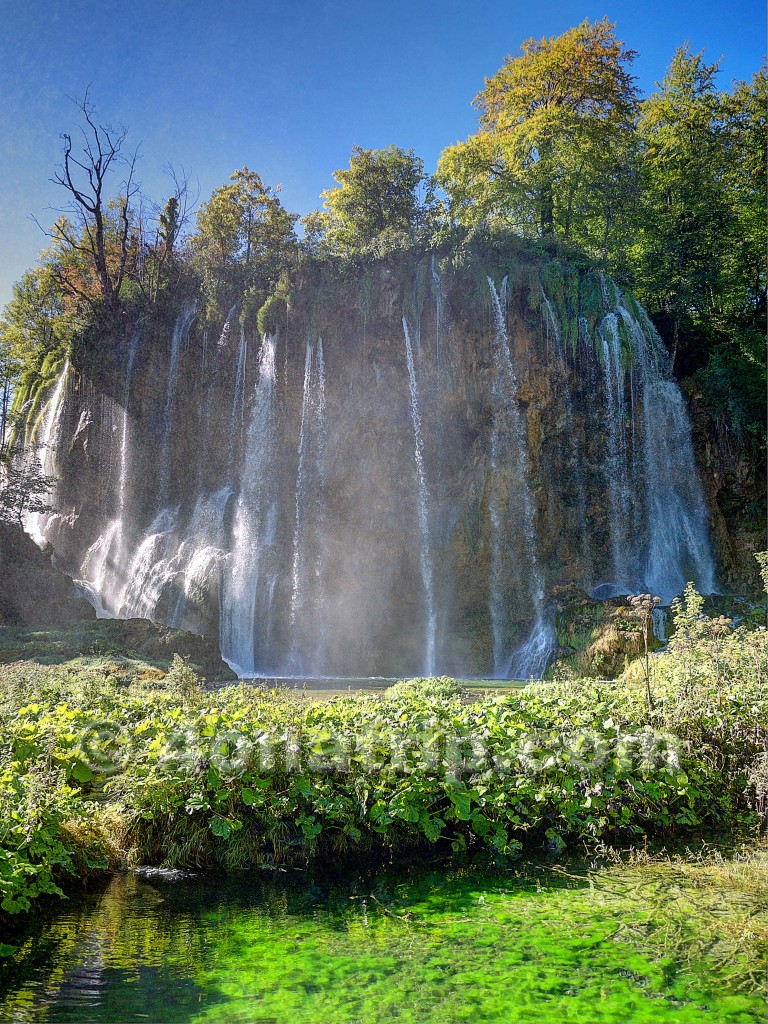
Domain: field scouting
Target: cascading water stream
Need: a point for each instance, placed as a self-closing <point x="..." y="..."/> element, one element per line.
<point x="297" y="578"/>
<point x="241" y="578"/>
<point x="439" y="307"/>
<point x="106" y="561"/>
<point x="509" y="453"/>
<point x="425" y="556"/>
<point x="660" y="624"/>
<point x="306" y="577"/>
<point x="124" y="438"/>
<point x="616" y="465"/>
<point x="570" y="429"/>
<point x="37" y="523"/>
<point x="678" y="546"/>
<point x="179" y="336"/>
<point x="238" y="400"/>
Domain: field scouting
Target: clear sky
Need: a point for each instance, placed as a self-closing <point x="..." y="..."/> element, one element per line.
<point x="289" y="87"/>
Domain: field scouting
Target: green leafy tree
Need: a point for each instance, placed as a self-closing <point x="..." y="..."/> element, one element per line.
<point x="744" y="114"/>
<point x="34" y="322"/>
<point x="684" y="204"/>
<point x="244" y="236"/>
<point x="380" y="193"/>
<point x="24" y="486"/>
<point x="554" y="153"/>
<point x="161" y="256"/>
<point x="699" y="248"/>
<point x="10" y="368"/>
<point x="734" y="380"/>
<point x="36" y="327"/>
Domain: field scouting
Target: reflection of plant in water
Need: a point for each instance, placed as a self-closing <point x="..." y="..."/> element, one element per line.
<point x="657" y="941"/>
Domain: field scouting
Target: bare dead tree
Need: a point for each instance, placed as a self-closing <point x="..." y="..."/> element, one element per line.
<point x="96" y="226"/>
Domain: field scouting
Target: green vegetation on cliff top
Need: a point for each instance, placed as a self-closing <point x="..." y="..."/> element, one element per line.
<point x="665" y="192"/>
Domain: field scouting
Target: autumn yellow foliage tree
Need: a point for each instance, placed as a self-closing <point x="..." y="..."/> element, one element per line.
<point x="554" y="151"/>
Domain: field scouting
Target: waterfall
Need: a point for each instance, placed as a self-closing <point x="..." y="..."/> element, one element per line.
<point x="439" y="306"/>
<point x="497" y="601"/>
<point x="106" y="560"/>
<point x="306" y="579"/>
<point x="180" y="335"/>
<point x="174" y="569"/>
<point x="227" y="327"/>
<point x="551" y="324"/>
<point x="616" y="466"/>
<point x="678" y="546"/>
<point x="151" y="570"/>
<point x="241" y="577"/>
<point x="269" y="506"/>
<point x="531" y="658"/>
<point x="297" y="588"/>
<point x="38" y="523"/>
<point x="657" y="520"/>
<point x="660" y="624"/>
<point x="425" y="557"/>
<point x="510" y="510"/>
<point x="196" y="565"/>
<point x="238" y="400"/>
<point x="570" y="431"/>
<point x="124" y="440"/>
<point x="98" y="571"/>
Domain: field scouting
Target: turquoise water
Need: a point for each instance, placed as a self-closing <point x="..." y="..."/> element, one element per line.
<point x="428" y="944"/>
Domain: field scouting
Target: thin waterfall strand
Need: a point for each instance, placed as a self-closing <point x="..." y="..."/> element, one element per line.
<point x="425" y="557"/>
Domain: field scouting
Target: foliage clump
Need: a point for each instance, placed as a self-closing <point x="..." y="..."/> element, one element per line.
<point x="95" y="771"/>
<point x="272" y="314"/>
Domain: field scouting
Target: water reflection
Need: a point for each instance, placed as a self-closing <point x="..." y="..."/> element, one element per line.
<point x="533" y="943"/>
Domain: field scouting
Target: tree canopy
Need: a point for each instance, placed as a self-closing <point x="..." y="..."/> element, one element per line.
<point x="380" y="192"/>
<point x="553" y="152"/>
<point x="244" y="236"/>
<point x="666" y="193"/>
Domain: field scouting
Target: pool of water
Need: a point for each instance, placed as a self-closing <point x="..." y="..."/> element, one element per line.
<point x="424" y="944"/>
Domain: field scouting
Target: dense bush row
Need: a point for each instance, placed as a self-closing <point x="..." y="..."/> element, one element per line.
<point x="94" y="773"/>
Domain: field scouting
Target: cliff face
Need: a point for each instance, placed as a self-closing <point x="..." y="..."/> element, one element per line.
<point x="393" y="481"/>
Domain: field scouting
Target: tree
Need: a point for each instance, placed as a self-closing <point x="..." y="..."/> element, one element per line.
<point x="684" y="206"/>
<point x="744" y="115"/>
<point x="244" y="236"/>
<point x="95" y="228"/>
<point x="554" y="154"/>
<point x="699" y="251"/>
<point x="34" y="325"/>
<point x="24" y="487"/>
<point x="735" y="377"/>
<point x="10" y="367"/>
<point x="160" y="255"/>
<point x="378" y="193"/>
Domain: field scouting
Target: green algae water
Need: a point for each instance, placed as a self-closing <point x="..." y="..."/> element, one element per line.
<point x="531" y="943"/>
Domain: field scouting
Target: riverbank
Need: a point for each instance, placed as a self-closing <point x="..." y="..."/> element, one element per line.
<point x="100" y="774"/>
<point x="614" y="938"/>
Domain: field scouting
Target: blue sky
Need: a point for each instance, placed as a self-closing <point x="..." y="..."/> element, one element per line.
<point x="288" y="88"/>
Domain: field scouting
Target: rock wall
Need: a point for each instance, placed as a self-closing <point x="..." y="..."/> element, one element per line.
<point x="321" y="505"/>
